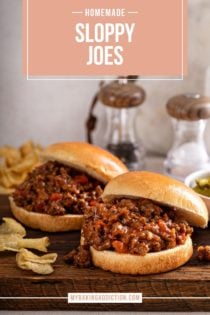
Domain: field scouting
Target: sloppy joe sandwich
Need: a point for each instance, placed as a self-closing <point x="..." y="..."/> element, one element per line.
<point x="55" y="195"/>
<point x="143" y="226"/>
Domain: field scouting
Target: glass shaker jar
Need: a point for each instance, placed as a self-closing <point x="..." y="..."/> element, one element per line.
<point x="189" y="114"/>
<point x="121" y="99"/>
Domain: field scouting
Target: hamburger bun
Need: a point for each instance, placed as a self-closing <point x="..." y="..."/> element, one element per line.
<point x="165" y="191"/>
<point x="46" y="222"/>
<point x="151" y="263"/>
<point x="87" y="158"/>
<point x="161" y="189"/>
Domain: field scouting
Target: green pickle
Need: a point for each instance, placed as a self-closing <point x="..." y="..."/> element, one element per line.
<point x="203" y="186"/>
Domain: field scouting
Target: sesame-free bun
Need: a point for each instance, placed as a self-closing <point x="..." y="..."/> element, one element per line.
<point x="161" y="189"/>
<point x="164" y="191"/>
<point x="85" y="157"/>
<point x="46" y="222"/>
<point x="151" y="263"/>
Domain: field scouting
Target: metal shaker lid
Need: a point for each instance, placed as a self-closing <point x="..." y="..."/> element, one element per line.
<point x="189" y="107"/>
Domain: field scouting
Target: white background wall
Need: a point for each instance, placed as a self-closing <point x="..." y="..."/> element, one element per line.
<point x="54" y="111"/>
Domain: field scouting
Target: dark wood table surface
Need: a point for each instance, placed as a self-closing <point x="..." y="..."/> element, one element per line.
<point x="184" y="289"/>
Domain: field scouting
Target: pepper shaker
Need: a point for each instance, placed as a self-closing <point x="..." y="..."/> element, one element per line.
<point x="121" y="99"/>
<point x="189" y="113"/>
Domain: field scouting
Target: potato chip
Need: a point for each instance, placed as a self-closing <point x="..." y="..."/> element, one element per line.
<point x="11" y="226"/>
<point x="45" y="269"/>
<point x="12" y="160"/>
<point x="26" y="148"/>
<point x="9" y="242"/>
<point x="12" y="239"/>
<point x="11" y="155"/>
<point x="16" y="164"/>
<point x="39" y="264"/>
<point x="3" y="151"/>
<point x="11" y="179"/>
<point x="45" y="259"/>
<point x="14" y="242"/>
<point x="4" y="180"/>
<point x="25" y="165"/>
<point x="40" y="244"/>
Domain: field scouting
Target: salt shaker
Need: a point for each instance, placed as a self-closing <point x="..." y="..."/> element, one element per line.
<point x="189" y="113"/>
<point x="121" y="98"/>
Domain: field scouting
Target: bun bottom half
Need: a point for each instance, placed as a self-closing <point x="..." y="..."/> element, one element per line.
<point x="143" y="265"/>
<point x="46" y="222"/>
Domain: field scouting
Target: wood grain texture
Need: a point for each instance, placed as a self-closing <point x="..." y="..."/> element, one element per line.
<point x="189" y="107"/>
<point x="191" y="280"/>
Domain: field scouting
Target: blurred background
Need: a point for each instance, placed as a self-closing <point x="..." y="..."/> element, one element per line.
<point x="50" y="111"/>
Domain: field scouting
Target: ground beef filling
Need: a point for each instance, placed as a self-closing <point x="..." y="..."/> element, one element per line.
<point x="203" y="253"/>
<point x="56" y="189"/>
<point x="130" y="226"/>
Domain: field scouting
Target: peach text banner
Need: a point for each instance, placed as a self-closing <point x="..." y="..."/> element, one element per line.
<point x="70" y="38"/>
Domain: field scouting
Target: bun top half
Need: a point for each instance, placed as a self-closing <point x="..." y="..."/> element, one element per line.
<point x="87" y="158"/>
<point x="161" y="189"/>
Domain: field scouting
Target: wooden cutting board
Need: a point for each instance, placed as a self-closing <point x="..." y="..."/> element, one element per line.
<point x="185" y="289"/>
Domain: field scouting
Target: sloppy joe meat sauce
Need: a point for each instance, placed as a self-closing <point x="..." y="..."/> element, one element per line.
<point x="129" y="226"/>
<point x="203" y="253"/>
<point x="56" y="189"/>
